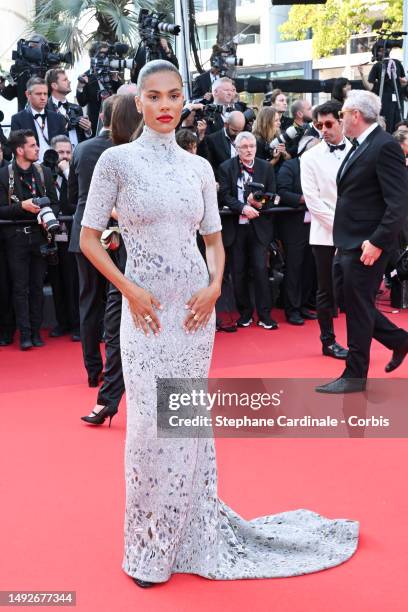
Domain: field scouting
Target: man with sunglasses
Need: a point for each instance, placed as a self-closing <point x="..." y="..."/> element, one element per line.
<point x="319" y="167"/>
<point x="371" y="207"/>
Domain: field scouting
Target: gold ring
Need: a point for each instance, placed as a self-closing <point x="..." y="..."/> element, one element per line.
<point x="148" y="318"/>
<point x="196" y="317"/>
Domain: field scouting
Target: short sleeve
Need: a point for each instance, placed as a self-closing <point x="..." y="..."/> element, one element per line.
<point x="102" y="193"/>
<point x="211" y="221"/>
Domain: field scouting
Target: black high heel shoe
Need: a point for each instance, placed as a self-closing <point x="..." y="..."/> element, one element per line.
<point x="143" y="583"/>
<point x="98" y="418"/>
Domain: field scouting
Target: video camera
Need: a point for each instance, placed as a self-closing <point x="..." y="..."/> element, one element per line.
<point x="225" y="59"/>
<point x="386" y="42"/>
<point x="107" y="59"/>
<point x="258" y="193"/>
<point x="151" y="26"/>
<point x="209" y="112"/>
<point x="37" y="59"/>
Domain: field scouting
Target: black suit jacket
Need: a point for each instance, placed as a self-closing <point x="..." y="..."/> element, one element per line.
<point x="202" y="85"/>
<point x="24" y="120"/>
<point x="291" y="226"/>
<point x="218" y="149"/>
<point x="372" y="202"/>
<point x="15" y="211"/>
<point x="86" y="154"/>
<point x="228" y="173"/>
<point x="75" y="110"/>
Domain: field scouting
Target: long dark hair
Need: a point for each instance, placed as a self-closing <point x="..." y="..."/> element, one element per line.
<point x="338" y="93"/>
<point x="125" y="119"/>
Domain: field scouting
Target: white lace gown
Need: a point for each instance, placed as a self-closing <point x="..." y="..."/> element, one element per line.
<point x="174" y="520"/>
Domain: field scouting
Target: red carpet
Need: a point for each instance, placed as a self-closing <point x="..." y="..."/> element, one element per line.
<point x="62" y="487"/>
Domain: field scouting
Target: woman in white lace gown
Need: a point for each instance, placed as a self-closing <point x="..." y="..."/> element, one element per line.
<point x="174" y="520"/>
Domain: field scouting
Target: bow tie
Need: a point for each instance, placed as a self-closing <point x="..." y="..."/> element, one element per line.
<point x="64" y="104"/>
<point x="340" y="147"/>
<point x="355" y="143"/>
<point x="247" y="168"/>
<point x="42" y="115"/>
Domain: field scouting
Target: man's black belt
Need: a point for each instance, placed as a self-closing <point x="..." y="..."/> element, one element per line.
<point x="28" y="229"/>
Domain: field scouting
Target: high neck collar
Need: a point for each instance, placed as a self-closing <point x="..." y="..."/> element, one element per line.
<point x="157" y="140"/>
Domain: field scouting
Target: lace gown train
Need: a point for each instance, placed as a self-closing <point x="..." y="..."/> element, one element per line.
<point x="174" y="520"/>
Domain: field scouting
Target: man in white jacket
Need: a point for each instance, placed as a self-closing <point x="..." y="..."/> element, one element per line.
<point x="319" y="167"/>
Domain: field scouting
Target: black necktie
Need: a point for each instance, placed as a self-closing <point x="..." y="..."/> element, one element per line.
<point x="340" y="147"/>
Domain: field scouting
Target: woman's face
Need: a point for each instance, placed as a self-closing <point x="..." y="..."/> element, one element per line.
<point x="277" y="122"/>
<point x="161" y="101"/>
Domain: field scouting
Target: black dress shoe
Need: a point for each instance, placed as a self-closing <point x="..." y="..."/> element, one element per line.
<point x="397" y="358"/>
<point x="75" y="336"/>
<point x="25" y="342"/>
<point x="335" y="350"/>
<point x="36" y="339"/>
<point x="57" y="332"/>
<point x="343" y="385"/>
<point x="294" y="318"/>
<point x="6" y="338"/>
<point x="308" y="314"/>
<point x="143" y="583"/>
<point x="98" y="418"/>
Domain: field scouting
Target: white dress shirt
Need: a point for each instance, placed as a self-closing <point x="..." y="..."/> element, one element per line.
<point x="42" y="134"/>
<point x="243" y="179"/>
<point x="318" y="172"/>
<point x="72" y="134"/>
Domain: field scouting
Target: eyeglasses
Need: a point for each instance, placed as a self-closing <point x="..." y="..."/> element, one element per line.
<point x="343" y="112"/>
<point x="328" y="124"/>
<point x="244" y="147"/>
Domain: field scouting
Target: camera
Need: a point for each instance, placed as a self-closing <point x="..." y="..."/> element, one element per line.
<point x="387" y="42"/>
<point x="37" y="60"/>
<point x="258" y="193"/>
<point x="209" y="112"/>
<point x="225" y="59"/>
<point x="103" y="63"/>
<point x="46" y="215"/>
<point x="290" y="134"/>
<point x="151" y="24"/>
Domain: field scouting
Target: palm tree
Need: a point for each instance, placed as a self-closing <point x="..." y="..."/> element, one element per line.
<point x="74" y="23"/>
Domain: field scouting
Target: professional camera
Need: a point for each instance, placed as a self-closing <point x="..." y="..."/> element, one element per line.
<point x="225" y="60"/>
<point x="209" y="112"/>
<point x="258" y="193"/>
<point x="288" y="135"/>
<point x="37" y="59"/>
<point x="386" y="42"/>
<point x="46" y="215"/>
<point x="151" y="28"/>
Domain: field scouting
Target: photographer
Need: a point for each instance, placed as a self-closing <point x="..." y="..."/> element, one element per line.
<point x="21" y="74"/>
<point x="203" y="83"/>
<point x="279" y="102"/>
<point x="223" y="91"/>
<point x="63" y="276"/>
<point x="79" y="128"/>
<point x="23" y="184"/>
<point x="301" y="111"/>
<point x="91" y="89"/>
<point x="192" y="119"/>
<point x="266" y="130"/>
<point x="248" y="232"/>
<point x="44" y="123"/>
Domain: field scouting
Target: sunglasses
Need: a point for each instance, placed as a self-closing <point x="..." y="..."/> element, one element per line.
<point x="327" y="124"/>
<point x="343" y="112"/>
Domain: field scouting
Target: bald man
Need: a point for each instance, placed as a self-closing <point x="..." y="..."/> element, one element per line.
<point x="220" y="145"/>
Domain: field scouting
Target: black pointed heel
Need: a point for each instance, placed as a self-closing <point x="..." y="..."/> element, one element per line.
<point x="99" y="418"/>
<point x="143" y="583"/>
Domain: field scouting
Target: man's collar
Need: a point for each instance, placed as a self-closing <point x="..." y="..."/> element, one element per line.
<point x="55" y="100"/>
<point x="36" y="112"/>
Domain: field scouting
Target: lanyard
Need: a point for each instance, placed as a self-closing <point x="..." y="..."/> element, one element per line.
<point x="31" y="185"/>
<point x="42" y="127"/>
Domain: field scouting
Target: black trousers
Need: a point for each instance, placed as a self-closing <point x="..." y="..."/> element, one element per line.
<point x="299" y="270"/>
<point x="7" y="318"/>
<point x="65" y="288"/>
<point x="92" y="297"/>
<point x="248" y="253"/>
<point x="360" y="284"/>
<point x="325" y="296"/>
<point x="27" y="269"/>
<point x="113" y="386"/>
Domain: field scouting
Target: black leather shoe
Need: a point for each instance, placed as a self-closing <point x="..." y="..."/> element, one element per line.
<point x="98" y="418"/>
<point x="76" y="336"/>
<point x="335" y="350"/>
<point x="308" y="314"/>
<point x="36" y="339"/>
<point x="294" y="318"/>
<point x="57" y="332"/>
<point x="343" y="385"/>
<point x="397" y="358"/>
<point x="143" y="583"/>
<point x="25" y="342"/>
<point x="6" y="338"/>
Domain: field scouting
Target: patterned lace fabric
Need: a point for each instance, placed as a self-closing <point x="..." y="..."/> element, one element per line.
<point x="174" y="520"/>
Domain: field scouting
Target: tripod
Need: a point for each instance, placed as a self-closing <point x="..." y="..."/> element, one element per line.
<point x="384" y="68"/>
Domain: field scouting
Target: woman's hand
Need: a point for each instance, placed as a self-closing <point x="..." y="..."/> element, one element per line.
<point x="201" y="306"/>
<point x="142" y="304"/>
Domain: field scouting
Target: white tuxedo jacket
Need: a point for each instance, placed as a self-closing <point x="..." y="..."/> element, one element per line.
<point x="318" y="171"/>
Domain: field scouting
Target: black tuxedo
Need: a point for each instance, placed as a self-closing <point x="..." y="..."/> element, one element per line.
<point x="218" y="149"/>
<point x="202" y="85"/>
<point x="92" y="285"/>
<point x="24" y="120"/>
<point x="372" y="205"/>
<point x="249" y="243"/>
<point x="294" y="233"/>
<point x="74" y="110"/>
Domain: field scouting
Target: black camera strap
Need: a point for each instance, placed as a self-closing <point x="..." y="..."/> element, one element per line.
<point x="33" y="187"/>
